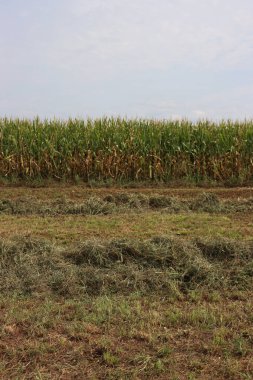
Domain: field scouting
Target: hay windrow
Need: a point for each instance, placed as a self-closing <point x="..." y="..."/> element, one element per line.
<point x="125" y="202"/>
<point x="160" y="265"/>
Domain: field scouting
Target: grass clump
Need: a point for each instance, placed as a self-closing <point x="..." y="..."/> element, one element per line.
<point x="160" y="201"/>
<point x="5" y="205"/>
<point x="224" y="249"/>
<point x="128" y="200"/>
<point x="31" y="266"/>
<point x="208" y="202"/>
<point x="92" y="206"/>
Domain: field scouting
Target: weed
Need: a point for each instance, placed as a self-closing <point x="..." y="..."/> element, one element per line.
<point x="110" y="359"/>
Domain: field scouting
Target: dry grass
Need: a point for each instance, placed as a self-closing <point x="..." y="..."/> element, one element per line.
<point x="124" y="202"/>
<point x="161" y="265"/>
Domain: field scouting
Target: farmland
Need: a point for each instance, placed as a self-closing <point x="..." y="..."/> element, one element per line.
<point x="126" y="249"/>
<point x="126" y="283"/>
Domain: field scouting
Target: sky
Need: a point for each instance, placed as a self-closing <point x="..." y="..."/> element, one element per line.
<point x="168" y="59"/>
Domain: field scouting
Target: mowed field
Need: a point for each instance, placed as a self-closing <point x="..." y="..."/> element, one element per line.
<point x="134" y="283"/>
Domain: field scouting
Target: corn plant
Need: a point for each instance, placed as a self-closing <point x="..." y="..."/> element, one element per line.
<point x="122" y="149"/>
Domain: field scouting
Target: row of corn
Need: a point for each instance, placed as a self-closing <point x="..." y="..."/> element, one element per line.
<point x="121" y="149"/>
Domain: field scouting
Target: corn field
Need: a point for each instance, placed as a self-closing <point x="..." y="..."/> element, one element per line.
<point x="129" y="150"/>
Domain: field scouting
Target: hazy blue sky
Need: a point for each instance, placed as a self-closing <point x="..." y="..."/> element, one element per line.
<point x="146" y="58"/>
